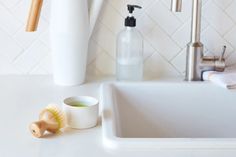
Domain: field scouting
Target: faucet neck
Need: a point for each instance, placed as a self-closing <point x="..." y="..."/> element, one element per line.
<point x="196" y="21"/>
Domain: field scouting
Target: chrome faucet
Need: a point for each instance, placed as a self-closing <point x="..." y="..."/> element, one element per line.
<point x="197" y="63"/>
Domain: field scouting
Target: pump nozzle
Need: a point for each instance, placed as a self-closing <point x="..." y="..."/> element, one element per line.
<point x="132" y="7"/>
<point x="130" y="21"/>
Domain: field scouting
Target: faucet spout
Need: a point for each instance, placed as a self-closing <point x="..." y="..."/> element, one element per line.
<point x="176" y="5"/>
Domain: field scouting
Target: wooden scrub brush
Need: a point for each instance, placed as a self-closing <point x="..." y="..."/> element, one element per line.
<point x="51" y="119"/>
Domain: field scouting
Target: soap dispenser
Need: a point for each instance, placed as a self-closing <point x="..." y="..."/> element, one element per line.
<point x="129" y="62"/>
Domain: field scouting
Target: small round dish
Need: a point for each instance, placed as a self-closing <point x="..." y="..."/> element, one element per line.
<point x="81" y="112"/>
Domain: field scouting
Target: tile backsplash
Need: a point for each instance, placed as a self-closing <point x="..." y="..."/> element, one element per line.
<point x="166" y="35"/>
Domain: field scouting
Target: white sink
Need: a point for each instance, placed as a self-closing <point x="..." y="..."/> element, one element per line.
<point x="168" y="115"/>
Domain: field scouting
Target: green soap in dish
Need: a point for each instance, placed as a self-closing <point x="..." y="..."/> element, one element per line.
<point x="78" y="104"/>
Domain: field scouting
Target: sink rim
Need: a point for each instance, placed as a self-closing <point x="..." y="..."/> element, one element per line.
<point x="112" y="141"/>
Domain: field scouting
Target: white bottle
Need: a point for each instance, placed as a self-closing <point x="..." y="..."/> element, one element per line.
<point x="72" y="22"/>
<point x="129" y="63"/>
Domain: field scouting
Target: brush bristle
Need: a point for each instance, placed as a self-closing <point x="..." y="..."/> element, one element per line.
<point x="59" y="115"/>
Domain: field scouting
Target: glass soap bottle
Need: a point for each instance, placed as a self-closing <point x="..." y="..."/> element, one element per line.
<point x="129" y="62"/>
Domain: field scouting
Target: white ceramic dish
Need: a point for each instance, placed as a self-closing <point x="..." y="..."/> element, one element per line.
<point x="81" y="117"/>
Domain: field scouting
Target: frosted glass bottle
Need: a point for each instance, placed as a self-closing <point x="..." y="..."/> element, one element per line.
<point x="129" y="62"/>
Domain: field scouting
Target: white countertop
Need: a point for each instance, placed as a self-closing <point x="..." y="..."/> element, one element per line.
<point x="22" y="98"/>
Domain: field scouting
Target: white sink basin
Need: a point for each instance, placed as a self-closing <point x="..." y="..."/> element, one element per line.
<point x="168" y="115"/>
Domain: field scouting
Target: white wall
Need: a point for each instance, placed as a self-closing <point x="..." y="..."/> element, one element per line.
<point x="165" y="33"/>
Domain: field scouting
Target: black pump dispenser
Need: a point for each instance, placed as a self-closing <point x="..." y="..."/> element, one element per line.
<point x="130" y="21"/>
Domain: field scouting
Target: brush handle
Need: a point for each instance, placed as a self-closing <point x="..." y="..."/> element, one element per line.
<point x="47" y="122"/>
<point x="38" y="128"/>
<point x="34" y="15"/>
